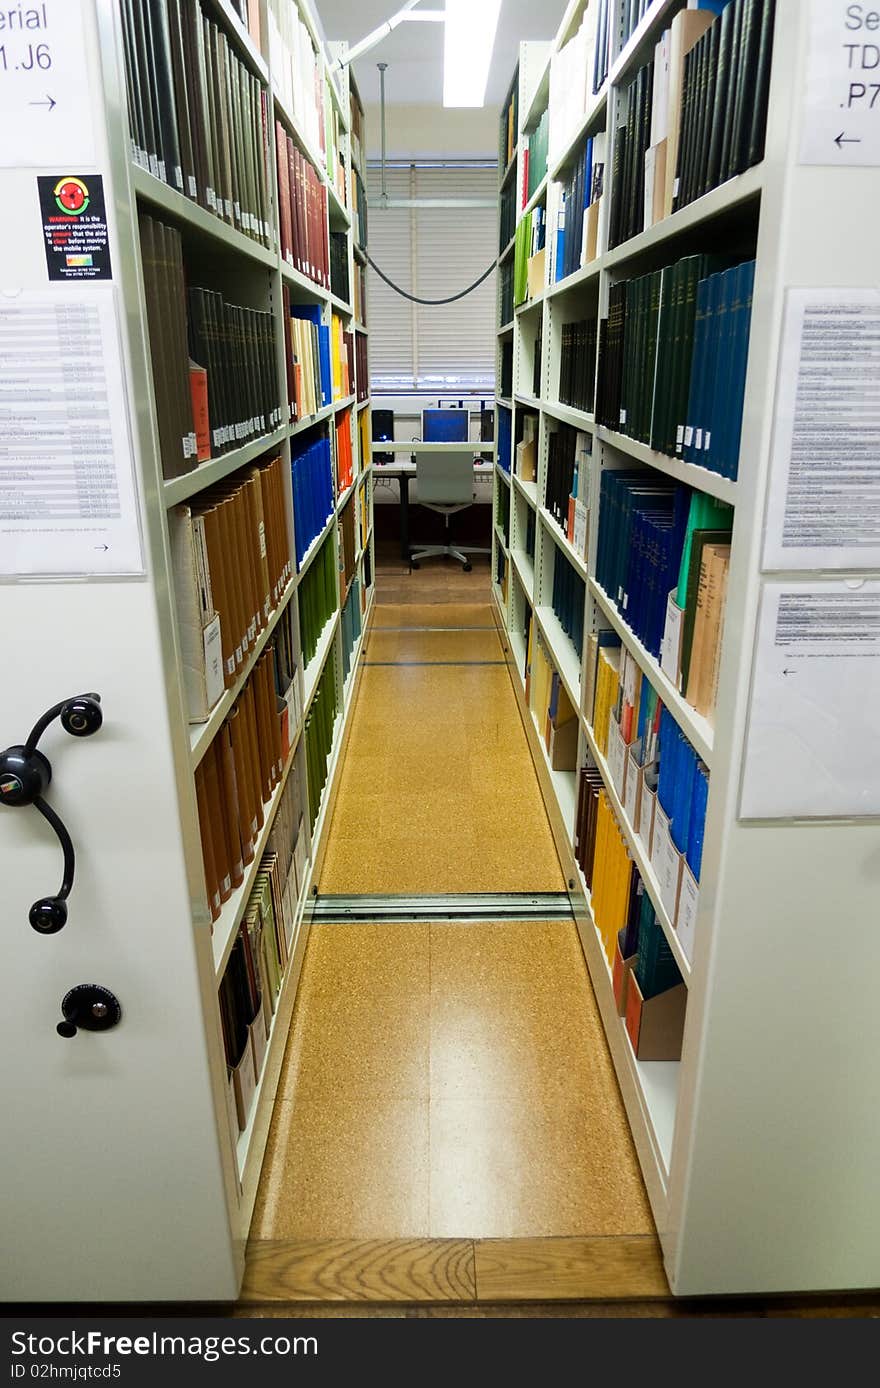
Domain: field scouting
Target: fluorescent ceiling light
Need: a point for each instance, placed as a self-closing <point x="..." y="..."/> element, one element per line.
<point x="467" y="50"/>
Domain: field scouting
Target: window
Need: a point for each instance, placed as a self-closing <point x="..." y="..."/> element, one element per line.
<point x="433" y="252"/>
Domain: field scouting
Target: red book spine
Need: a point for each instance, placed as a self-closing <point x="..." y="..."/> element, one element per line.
<point x="283" y="192"/>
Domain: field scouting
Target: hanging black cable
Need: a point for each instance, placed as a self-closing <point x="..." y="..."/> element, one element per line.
<point x="416" y="300"/>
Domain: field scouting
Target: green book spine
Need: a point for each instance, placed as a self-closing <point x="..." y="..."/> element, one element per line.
<point x="716" y="138"/>
<point x="707" y="109"/>
<point x="732" y="112"/>
<point x="757" y="131"/>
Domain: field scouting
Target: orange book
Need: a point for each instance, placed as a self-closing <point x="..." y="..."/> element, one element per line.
<point x="212" y="885"/>
<point x="198" y="389"/>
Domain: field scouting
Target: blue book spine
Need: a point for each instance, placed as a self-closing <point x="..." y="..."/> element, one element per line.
<point x="739" y="336"/>
<point x="716" y="396"/>
<point x="698" y="369"/>
<point x="697" y="825"/>
<point x="560" y="240"/>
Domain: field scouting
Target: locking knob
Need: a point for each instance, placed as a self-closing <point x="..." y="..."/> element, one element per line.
<point x="90" y="1007"/>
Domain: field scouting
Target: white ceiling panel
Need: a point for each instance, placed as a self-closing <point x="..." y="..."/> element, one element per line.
<point x="414" y="52"/>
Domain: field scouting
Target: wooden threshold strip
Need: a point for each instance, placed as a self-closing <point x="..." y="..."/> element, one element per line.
<point x="461" y="1271"/>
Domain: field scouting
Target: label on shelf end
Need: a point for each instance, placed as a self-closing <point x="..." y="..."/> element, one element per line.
<point x="685" y="920"/>
<point x="214" y="681"/>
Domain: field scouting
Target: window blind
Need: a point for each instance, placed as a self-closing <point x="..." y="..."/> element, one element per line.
<point x="433" y="252"/>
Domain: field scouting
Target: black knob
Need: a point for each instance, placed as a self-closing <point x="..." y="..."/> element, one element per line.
<point x="82" y="716"/>
<point x="90" y="1007"/>
<point x="49" y="915"/>
<point x="23" y="776"/>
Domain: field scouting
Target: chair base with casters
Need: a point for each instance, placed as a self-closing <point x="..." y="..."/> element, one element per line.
<point x="445" y="485"/>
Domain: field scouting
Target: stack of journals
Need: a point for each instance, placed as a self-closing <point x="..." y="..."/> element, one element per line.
<point x="350" y="625"/>
<point x="502" y="511"/>
<point x="612" y="878"/>
<point x="569" y="596"/>
<point x="213" y="375"/>
<point x="165" y="296"/>
<point x="578" y="217"/>
<point x="567" y="486"/>
<point x="712" y="427"/>
<point x="696" y="114"/>
<point x="347" y="545"/>
<point x="530" y="232"/>
<point x="724" y="99"/>
<point x="646" y="526"/>
<point x="234" y="780"/>
<point x="320" y="722"/>
<point x="570" y="78"/>
<point x="505" y="388"/>
<point x="317" y="599"/>
<point x="362" y="370"/>
<point x="312" y="478"/>
<point x="509" y="125"/>
<point x="507" y="215"/>
<point x="360" y="293"/>
<point x="344" y="452"/>
<point x="505" y="291"/>
<point x="360" y="209"/>
<point x="342" y="358"/>
<point x="621" y="701"/>
<point x="339" y="265"/>
<point x="307" y="358"/>
<point x="365" y="437"/>
<point x="196" y="114"/>
<point x="535" y="157"/>
<point x="672" y="364"/>
<point x="682" y="791"/>
<point x="555" y="716"/>
<point x="287" y="844"/>
<point x="356" y="129"/>
<point x="504" y="443"/>
<point x="655" y="966"/>
<point x="631" y="142"/>
<point x="691" y="653"/>
<point x="302" y="199"/>
<point x="601" y="53"/>
<point x="235" y="347"/>
<point x="577" y="365"/>
<point x="222" y="605"/>
<point x="297" y="70"/>
<point x="632" y="11"/>
<point x="529" y="537"/>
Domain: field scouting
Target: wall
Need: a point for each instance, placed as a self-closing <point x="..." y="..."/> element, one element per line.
<point x="422" y="131"/>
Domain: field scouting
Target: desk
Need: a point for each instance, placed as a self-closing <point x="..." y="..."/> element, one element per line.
<point x="404" y="471"/>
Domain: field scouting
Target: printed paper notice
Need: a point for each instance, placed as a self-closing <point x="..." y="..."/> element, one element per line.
<point x="67" y="496"/>
<point x="811" y="744"/>
<point x="45" y="89"/>
<point x="842" y="90"/>
<point x="824" y="503"/>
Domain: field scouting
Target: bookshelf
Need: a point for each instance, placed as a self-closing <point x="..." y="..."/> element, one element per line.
<point x="141" y="919"/>
<point x="730" y="1126"/>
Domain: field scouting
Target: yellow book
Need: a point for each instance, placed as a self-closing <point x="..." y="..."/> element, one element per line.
<point x="600" y="861"/>
<point x="607" y="684"/>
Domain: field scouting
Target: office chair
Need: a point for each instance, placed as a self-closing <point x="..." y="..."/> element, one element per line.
<point x="445" y="484"/>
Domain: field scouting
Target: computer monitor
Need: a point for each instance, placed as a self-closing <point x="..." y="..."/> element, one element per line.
<point x="383" y="432"/>
<point x="445" y="426"/>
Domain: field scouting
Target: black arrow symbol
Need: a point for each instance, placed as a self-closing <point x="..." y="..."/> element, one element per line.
<point x="50" y="102"/>
<point x="785" y="672"/>
<point x="847" y="140"/>
<point x="105" y="547"/>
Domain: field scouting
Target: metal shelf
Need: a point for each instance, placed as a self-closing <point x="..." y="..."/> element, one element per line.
<point x="191" y="214"/>
<point x="215" y="469"/>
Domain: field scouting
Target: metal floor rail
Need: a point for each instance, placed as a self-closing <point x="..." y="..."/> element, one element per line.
<point x="475" y="906"/>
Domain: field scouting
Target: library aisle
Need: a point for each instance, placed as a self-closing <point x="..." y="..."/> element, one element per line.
<point x="444" y="1080"/>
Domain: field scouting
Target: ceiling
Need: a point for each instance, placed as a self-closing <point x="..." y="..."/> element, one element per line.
<point x="414" y="52"/>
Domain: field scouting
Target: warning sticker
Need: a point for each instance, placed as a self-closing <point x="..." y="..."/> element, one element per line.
<point x="75" y="226"/>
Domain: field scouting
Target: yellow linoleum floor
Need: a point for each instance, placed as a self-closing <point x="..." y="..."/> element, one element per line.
<point x="448" y="1081"/>
<point x="437" y="753"/>
<point x="444" y="1080"/>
